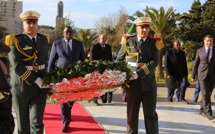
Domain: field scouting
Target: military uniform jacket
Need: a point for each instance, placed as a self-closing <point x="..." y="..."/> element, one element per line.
<point x="147" y="60"/>
<point x="22" y="79"/>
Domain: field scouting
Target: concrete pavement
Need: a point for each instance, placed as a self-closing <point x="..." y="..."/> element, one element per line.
<point x="174" y="117"/>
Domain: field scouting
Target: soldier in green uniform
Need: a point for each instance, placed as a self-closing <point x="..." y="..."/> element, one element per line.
<point x="28" y="58"/>
<point x="142" y="57"/>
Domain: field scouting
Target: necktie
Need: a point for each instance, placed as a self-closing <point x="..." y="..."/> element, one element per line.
<point x="208" y="54"/>
<point x="69" y="50"/>
<point x="103" y="48"/>
<point x="141" y="43"/>
<point x="34" y="42"/>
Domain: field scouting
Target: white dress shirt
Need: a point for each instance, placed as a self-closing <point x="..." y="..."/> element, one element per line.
<point x="70" y="43"/>
<point x="138" y="37"/>
<point x="32" y="37"/>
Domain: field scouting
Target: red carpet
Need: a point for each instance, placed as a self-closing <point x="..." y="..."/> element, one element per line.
<point x="82" y="122"/>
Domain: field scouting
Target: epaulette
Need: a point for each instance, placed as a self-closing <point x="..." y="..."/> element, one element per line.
<point x="11" y="39"/>
<point x="130" y="35"/>
<point x="154" y="38"/>
<point x="159" y="43"/>
<point x="46" y="35"/>
<point x="18" y="34"/>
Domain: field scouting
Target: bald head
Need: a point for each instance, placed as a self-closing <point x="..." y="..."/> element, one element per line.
<point x="67" y="32"/>
<point x="102" y="39"/>
<point x="176" y="44"/>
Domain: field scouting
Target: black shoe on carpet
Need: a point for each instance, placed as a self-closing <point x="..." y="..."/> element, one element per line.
<point x="65" y="128"/>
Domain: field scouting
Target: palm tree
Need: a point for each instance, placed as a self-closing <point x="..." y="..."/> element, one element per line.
<point x="161" y="23"/>
<point x="87" y="39"/>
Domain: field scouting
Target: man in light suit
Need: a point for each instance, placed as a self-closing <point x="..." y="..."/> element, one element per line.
<point x="64" y="52"/>
<point x="204" y="66"/>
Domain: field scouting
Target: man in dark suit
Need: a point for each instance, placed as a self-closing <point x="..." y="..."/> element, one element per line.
<point x="142" y="57"/>
<point x="102" y="51"/>
<point x="64" y="52"/>
<point x="176" y="72"/>
<point x="204" y="67"/>
<point x="28" y="58"/>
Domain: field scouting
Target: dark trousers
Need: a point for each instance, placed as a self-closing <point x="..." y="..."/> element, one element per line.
<point x="179" y="92"/>
<point x="196" y="93"/>
<point x="170" y="94"/>
<point x="33" y="107"/>
<point x="106" y="97"/>
<point x="6" y="118"/>
<point x="66" y="112"/>
<point x="206" y="87"/>
<point x="135" y="96"/>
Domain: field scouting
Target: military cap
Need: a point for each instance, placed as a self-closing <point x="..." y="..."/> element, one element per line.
<point x="143" y="21"/>
<point x="29" y="16"/>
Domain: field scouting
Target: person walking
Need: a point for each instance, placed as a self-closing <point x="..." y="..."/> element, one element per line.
<point x="142" y="58"/>
<point x="204" y="67"/>
<point x="28" y="58"/>
<point x="64" y="52"/>
<point x="176" y="72"/>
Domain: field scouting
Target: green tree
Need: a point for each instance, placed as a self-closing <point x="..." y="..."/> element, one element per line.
<point x="191" y="26"/>
<point x="191" y="29"/>
<point x="208" y="15"/>
<point x="190" y="48"/>
<point x="87" y="39"/>
<point x="161" y="24"/>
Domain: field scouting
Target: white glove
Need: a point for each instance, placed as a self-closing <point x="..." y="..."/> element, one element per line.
<point x="134" y="76"/>
<point x="39" y="82"/>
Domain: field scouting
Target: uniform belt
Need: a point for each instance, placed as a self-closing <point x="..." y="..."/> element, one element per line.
<point x="40" y="67"/>
<point x="133" y="64"/>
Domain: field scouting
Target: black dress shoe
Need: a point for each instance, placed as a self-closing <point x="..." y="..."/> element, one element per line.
<point x="185" y="101"/>
<point x="209" y="117"/>
<point x="65" y="128"/>
<point x="96" y="103"/>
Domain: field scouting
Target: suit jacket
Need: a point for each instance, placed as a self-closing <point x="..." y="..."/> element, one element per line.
<point x="59" y="54"/>
<point x="98" y="53"/>
<point x="148" y="55"/>
<point x="202" y="67"/>
<point x="22" y="80"/>
<point x="176" y="66"/>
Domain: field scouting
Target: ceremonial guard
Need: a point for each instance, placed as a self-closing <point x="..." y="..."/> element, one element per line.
<point x="28" y="58"/>
<point x="142" y="57"/>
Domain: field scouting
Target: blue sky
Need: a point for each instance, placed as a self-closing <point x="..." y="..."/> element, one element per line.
<point x="85" y="12"/>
